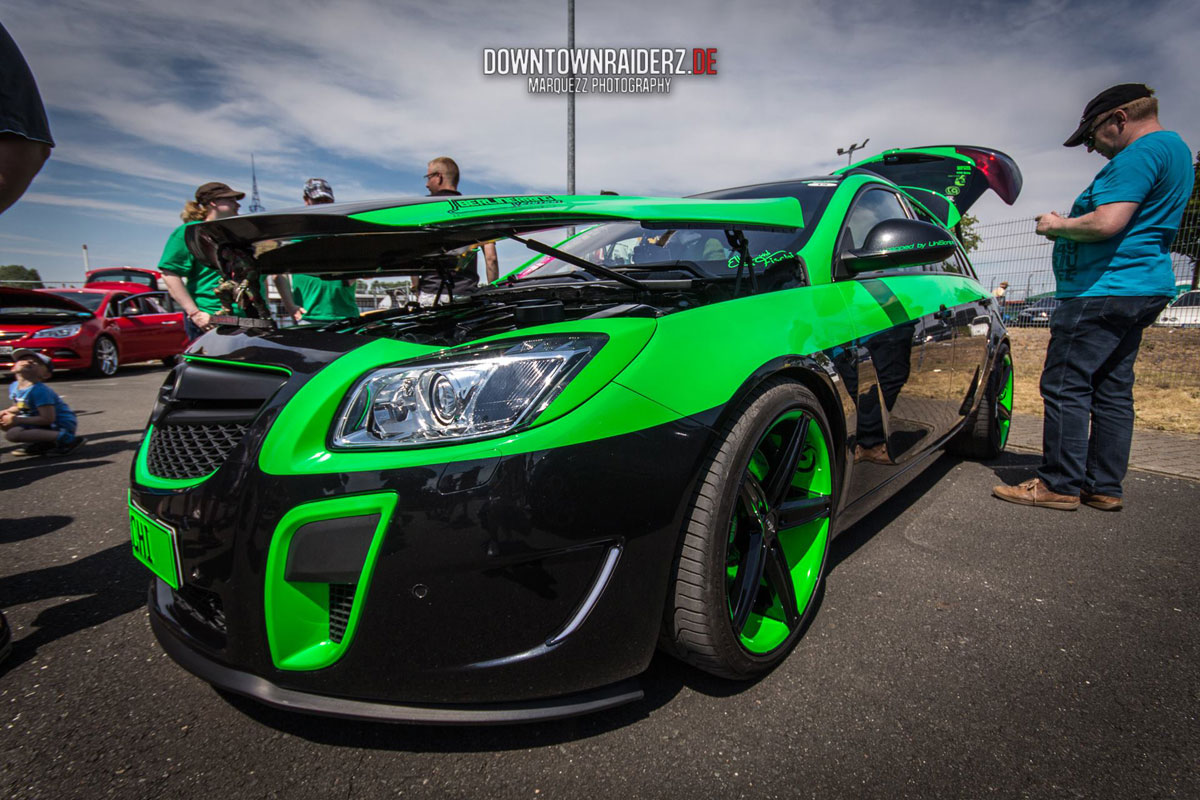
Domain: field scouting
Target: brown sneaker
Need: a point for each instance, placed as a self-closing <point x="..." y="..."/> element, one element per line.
<point x="1035" y="493"/>
<point x="876" y="455"/>
<point x="1103" y="502"/>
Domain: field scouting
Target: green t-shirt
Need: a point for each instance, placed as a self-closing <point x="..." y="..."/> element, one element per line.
<point x="201" y="281"/>
<point x="326" y="300"/>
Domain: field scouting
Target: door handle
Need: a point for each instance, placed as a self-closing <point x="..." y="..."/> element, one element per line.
<point x="168" y="323"/>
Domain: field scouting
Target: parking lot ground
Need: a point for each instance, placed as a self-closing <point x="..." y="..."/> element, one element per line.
<point x="964" y="648"/>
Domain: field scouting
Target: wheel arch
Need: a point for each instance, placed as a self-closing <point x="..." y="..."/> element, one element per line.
<point x="811" y="372"/>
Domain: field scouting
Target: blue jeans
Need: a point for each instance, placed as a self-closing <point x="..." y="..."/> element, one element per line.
<point x="1087" y="387"/>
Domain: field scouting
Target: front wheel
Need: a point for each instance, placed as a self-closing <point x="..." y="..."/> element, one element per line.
<point x="753" y="554"/>
<point x="105" y="358"/>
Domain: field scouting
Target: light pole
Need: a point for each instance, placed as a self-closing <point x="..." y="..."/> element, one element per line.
<point x="571" y="102"/>
<point x="848" y="152"/>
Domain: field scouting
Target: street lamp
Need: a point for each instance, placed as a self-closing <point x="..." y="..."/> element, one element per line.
<point x="848" y="152"/>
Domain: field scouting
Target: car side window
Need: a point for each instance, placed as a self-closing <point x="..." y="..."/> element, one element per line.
<point x="870" y="208"/>
<point x="956" y="264"/>
<point x="153" y="304"/>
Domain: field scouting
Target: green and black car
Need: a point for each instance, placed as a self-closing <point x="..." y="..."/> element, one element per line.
<point x="498" y="508"/>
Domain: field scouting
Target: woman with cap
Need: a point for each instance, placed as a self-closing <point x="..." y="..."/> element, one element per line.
<point x="198" y="296"/>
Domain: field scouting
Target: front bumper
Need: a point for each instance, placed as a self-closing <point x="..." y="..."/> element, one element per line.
<point x="506" y="580"/>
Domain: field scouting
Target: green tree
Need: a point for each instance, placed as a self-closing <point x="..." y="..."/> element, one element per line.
<point x="20" y="276"/>
<point x="1187" y="241"/>
<point x="966" y="232"/>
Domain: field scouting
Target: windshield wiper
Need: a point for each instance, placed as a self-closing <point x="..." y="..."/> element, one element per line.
<point x="583" y="264"/>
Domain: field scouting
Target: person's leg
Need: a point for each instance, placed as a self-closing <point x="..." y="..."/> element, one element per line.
<point x="1080" y="342"/>
<point x="27" y="434"/>
<point x="1112" y="396"/>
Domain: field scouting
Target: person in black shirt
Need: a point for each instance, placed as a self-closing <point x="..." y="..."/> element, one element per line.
<point x="441" y="179"/>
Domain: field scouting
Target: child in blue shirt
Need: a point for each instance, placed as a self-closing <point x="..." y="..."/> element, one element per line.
<point x="39" y="418"/>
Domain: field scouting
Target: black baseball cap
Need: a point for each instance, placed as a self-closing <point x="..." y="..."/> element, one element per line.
<point x="1110" y="98"/>
<point x="215" y="191"/>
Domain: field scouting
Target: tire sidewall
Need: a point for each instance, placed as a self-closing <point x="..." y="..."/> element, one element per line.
<point x="752" y="424"/>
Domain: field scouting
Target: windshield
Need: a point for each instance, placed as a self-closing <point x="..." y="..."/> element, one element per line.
<point x="628" y="245"/>
<point x="126" y="276"/>
<point x="89" y="300"/>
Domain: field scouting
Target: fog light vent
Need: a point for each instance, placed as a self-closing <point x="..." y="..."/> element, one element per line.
<point x="341" y="600"/>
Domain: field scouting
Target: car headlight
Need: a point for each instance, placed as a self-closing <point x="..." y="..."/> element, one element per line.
<point x="61" y="332"/>
<point x="472" y="393"/>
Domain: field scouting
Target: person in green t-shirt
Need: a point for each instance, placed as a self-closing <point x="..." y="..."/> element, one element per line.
<point x="320" y="299"/>
<point x="198" y="296"/>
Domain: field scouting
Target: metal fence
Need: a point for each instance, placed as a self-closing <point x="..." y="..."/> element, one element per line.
<point x="1012" y="254"/>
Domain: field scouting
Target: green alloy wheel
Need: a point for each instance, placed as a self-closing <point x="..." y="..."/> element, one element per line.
<point x="753" y="554"/>
<point x="986" y="435"/>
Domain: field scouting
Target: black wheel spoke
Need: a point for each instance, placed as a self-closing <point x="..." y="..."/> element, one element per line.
<point x="780" y="579"/>
<point x="754" y="500"/>
<point x="782" y="472"/>
<point x="749" y="578"/>
<point x="1004" y="414"/>
<point x="794" y="513"/>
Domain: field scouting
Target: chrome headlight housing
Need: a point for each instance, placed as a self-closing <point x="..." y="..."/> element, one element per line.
<point x="61" y="332"/>
<point x="472" y="393"/>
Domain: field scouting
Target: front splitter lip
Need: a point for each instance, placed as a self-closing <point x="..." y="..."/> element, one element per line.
<point x="262" y="690"/>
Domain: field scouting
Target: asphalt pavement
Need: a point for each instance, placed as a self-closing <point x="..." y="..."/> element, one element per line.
<point x="964" y="648"/>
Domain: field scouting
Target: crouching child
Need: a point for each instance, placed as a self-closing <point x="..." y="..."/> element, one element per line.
<point x="38" y="419"/>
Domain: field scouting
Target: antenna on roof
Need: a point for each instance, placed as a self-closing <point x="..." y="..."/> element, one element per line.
<point x="848" y="152"/>
<point x="255" y="203"/>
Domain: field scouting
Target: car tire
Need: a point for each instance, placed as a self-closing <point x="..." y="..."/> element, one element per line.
<point x="170" y="361"/>
<point x="747" y="575"/>
<point x="985" y="433"/>
<point x="106" y="358"/>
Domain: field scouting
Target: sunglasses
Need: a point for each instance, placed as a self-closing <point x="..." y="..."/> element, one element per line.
<point x="1090" y="141"/>
<point x="432" y="175"/>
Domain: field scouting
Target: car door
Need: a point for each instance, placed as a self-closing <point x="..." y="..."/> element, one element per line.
<point x="904" y="355"/>
<point x="138" y="331"/>
<point x="159" y="314"/>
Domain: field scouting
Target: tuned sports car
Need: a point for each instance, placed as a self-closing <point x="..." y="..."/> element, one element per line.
<point x="95" y="329"/>
<point x="496" y="509"/>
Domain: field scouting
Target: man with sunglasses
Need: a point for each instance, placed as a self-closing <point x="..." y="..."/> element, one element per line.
<point x="1113" y="268"/>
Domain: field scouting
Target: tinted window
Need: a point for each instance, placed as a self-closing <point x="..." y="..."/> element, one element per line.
<point x="1187" y="301"/>
<point x="121" y="275"/>
<point x="88" y="300"/>
<point x="873" y="206"/>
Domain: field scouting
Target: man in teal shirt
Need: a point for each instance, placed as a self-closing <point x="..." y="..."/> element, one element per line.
<point x="319" y="299"/>
<point x="1113" y="267"/>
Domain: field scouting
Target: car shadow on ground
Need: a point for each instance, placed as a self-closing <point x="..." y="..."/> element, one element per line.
<point x="24" y="528"/>
<point x="98" y="583"/>
<point x="23" y="470"/>
<point x="663" y="680"/>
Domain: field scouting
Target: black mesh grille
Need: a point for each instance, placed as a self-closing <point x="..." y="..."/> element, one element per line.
<point x="181" y="452"/>
<point x="341" y="600"/>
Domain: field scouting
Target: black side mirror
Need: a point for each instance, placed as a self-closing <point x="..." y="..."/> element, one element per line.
<point x="896" y="243"/>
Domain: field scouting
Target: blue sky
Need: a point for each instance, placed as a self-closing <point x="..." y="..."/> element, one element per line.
<point x="150" y="98"/>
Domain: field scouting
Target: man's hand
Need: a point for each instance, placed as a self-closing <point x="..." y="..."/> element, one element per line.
<point x="1049" y="224"/>
<point x="298" y="313"/>
<point x="201" y="319"/>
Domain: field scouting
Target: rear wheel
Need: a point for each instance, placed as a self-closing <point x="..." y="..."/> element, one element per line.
<point x="753" y="555"/>
<point x="986" y="434"/>
<point x="105" y="358"/>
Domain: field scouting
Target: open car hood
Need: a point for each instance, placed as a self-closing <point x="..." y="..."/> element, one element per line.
<point x="946" y="179"/>
<point x="11" y="297"/>
<point x="414" y="236"/>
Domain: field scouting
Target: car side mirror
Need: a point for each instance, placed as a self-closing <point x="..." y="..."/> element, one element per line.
<point x="896" y="243"/>
<point x="129" y="310"/>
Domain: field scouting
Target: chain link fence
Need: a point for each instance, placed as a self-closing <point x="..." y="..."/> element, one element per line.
<point x="1014" y="263"/>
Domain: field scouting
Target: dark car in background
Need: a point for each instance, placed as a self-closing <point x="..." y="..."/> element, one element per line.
<point x="90" y="329"/>
<point x="1037" y="314"/>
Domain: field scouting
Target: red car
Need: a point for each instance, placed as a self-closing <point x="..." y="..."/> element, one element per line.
<point x="132" y="279"/>
<point x="93" y="329"/>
